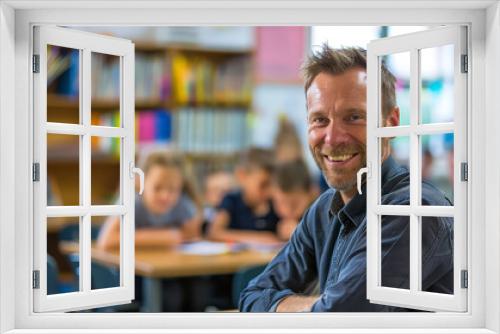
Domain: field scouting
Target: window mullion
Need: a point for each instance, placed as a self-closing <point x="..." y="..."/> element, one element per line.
<point x="415" y="267"/>
<point x="127" y="226"/>
<point x="85" y="172"/>
<point x="421" y="210"/>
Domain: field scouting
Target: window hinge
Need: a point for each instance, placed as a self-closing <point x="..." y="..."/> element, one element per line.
<point x="36" y="172"/>
<point x="465" y="279"/>
<point x="465" y="64"/>
<point x="464" y="171"/>
<point x="36" y="63"/>
<point x="36" y="279"/>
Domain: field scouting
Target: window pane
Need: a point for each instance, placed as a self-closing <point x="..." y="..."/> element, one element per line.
<point x="105" y="79"/>
<point x="437" y="272"/>
<point x="437" y="166"/>
<point x="62" y="268"/>
<point x="436" y="91"/>
<point x="105" y="172"/>
<point x="399" y="65"/>
<point x="400" y="152"/>
<point x="103" y="274"/>
<point x="63" y="84"/>
<point x="395" y="250"/>
<point x="63" y="169"/>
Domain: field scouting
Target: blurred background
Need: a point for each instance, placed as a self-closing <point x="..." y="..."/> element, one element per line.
<point x="210" y="93"/>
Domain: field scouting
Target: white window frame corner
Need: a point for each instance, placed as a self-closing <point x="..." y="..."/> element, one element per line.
<point x="16" y="19"/>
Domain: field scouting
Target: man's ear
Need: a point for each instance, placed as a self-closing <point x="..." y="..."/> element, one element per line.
<point x="392" y="118"/>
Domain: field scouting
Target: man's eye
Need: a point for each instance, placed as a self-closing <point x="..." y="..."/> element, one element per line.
<point x="319" y="120"/>
<point x="355" y="117"/>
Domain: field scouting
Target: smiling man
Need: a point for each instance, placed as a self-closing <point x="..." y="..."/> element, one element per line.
<point x="323" y="266"/>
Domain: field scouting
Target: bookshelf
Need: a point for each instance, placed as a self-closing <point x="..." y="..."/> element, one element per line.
<point x="194" y="99"/>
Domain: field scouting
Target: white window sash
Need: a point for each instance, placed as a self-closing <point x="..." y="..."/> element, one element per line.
<point x="414" y="298"/>
<point x="86" y="43"/>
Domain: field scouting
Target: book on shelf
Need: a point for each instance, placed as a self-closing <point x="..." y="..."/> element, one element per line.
<point x="105" y="76"/>
<point x="153" y="126"/>
<point x="152" y="76"/>
<point x="188" y="79"/>
<point x="106" y="145"/>
<point x="62" y="70"/>
<point x="197" y="80"/>
<point x="209" y="130"/>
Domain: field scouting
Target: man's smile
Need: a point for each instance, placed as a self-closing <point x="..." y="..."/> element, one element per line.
<point x="339" y="160"/>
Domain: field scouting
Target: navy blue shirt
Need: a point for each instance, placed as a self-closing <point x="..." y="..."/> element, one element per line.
<point x="328" y="249"/>
<point x="242" y="217"/>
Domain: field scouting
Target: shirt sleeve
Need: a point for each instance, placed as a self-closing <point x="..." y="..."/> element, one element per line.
<point x="293" y="269"/>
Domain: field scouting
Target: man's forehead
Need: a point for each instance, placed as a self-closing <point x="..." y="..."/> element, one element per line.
<point x="348" y="84"/>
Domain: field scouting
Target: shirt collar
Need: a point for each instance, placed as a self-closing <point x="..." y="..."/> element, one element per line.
<point x="355" y="211"/>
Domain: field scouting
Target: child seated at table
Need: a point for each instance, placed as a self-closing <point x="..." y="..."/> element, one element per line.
<point x="247" y="215"/>
<point x="167" y="213"/>
<point x="293" y="192"/>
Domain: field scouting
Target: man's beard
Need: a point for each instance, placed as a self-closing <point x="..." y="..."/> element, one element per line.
<point x="342" y="179"/>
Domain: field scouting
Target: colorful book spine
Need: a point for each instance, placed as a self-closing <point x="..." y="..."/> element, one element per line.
<point x="153" y="126"/>
<point x="146" y="126"/>
<point x="199" y="81"/>
<point x="207" y="130"/>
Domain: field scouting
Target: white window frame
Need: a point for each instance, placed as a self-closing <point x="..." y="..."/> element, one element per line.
<point x="16" y="19"/>
<point x="85" y="43"/>
<point x="455" y="36"/>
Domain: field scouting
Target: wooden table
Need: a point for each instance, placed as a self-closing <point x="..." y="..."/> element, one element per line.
<point x="154" y="264"/>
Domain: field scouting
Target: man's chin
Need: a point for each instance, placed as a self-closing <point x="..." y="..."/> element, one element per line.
<point x="340" y="185"/>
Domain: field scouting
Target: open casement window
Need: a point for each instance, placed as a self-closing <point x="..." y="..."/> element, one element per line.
<point x="427" y="64"/>
<point x="66" y="137"/>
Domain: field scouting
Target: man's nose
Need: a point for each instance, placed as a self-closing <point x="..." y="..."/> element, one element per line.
<point x="336" y="133"/>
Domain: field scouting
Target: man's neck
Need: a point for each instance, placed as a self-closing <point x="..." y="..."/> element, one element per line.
<point x="347" y="195"/>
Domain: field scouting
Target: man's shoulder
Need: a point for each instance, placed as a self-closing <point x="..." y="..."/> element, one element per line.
<point x="431" y="195"/>
<point x="396" y="191"/>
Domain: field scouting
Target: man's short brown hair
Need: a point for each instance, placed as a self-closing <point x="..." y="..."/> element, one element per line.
<point x="338" y="61"/>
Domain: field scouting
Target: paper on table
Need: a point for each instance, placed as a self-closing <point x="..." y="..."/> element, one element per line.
<point x="206" y="248"/>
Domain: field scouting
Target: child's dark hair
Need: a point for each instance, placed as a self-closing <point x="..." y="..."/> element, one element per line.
<point x="257" y="158"/>
<point x="292" y="175"/>
<point x="173" y="160"/>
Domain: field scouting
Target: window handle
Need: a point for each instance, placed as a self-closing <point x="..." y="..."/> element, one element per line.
<point x="360" y="174"/>
<point x="136" y="170"/>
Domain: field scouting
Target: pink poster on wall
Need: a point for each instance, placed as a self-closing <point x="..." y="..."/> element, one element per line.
<point x="279" y="55"/>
